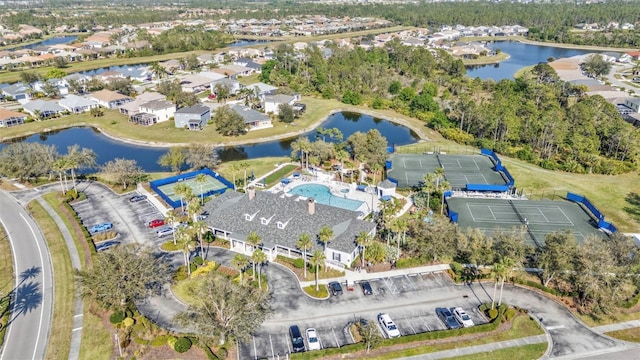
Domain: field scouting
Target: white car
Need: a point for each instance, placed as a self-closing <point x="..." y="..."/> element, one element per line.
<point x="463" y="318"/>
<point x="312" y="339"/>
<point x="388" y="325"/>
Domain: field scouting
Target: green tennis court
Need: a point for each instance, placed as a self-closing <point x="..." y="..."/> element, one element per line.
<point x="537" y="218"/>
<point x="198" y="188"/>
<point x="459" y="170"/>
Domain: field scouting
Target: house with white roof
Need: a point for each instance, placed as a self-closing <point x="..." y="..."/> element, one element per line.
<point x="77" y="104"/>
<point x="153" y="112"/>
<point x="271" y="103"/>
<point x="43" y="108"/>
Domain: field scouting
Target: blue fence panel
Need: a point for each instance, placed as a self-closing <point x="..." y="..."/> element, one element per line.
<point x="395" y="181"/>
<point x="511" y="181"/>
<point x="601" y="222"/>
<point x="487" y="187"/>
<point x="390" y="149"/>
<point x="453" y="216"/>
<point x="492" y="155"/>
<point x="388" y="164"/>
<point x="574" y="197"/>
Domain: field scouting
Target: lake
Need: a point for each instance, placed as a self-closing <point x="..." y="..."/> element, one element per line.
<point x="240" y="43"/>
<point x="108" y="149"/>
<point x="522" y="55"/>
<point x="52" y="41"/>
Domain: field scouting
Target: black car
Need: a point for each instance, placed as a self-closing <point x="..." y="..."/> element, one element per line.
<point x="366" y="288"/>
<point x="297" y="342"/>
<point x="137" y="198"/>
<point x="335" y="288"/>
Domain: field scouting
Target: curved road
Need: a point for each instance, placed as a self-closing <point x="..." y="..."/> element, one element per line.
<point x="28" y="330"/>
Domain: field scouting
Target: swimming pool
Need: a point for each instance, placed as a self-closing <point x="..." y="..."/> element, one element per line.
<point x="322" y="195"/>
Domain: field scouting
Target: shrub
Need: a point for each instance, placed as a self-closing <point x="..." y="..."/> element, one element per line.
<point x="117" y="317"/>
<point x="457" y="268"/>
<point x="298" y="263"/>
<point x="182" y="344"/>
<point x="128" y="322"/>
<point x="171" y="341"/>
<point x="493" y="313"/>
<point x="223" y="353"/>
<point x="198" y="260"/>
<point x="509" y="314"/>
<point x="211" y="265"/>
<point x="161" y="340"/>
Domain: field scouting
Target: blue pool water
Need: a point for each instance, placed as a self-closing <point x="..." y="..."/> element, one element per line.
<point x="322" y="195"/>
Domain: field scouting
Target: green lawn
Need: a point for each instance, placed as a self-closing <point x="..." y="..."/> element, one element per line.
<point x="60" y="334"/>
<point x="259" y="166"/>
<point x="7" y="281"/>
<point x="632" y="334"/>
<point x="526" y="352"/>
<point x="97" y="342"/>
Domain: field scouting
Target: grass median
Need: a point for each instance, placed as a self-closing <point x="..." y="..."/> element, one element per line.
<point x="7" y="280"/>
<point x="62" y="323"/>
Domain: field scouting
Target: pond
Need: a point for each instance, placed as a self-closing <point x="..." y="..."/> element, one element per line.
<point x="108" y="149"/>
<point x="240" y="43"/>
<point x="52" y="41"/>
<point x="522" y="55"/>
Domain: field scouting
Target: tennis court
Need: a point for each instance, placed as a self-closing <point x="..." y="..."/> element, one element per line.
<point x="209" y="184"/>
<point x="538" y="218"/>
<point x="459" y="170"/>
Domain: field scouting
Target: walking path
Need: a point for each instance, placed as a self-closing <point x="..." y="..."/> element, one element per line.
<point x="78" y="308"/>
<point x="469" y="350"/>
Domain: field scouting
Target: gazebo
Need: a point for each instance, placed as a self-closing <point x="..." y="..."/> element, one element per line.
<point x="386" y="188"/>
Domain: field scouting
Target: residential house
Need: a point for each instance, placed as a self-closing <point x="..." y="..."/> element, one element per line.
<point x="279" y="221"/>
<point x="233" y="71"/>
<point x="232" y="85"/>
<point x="195" y="83"/>
<point x="10" y="118"/>
<point x="43" y="108"/>
<point x="633" y="103"/>
<point x="110" y="99"/>
<point x="17" y="91"/>
<point x="133" y="107"/>
<point x="248" y="63"/>
<point x="153" y="112"/>
<point x="254" y="120"/>
<point x="77" y="104"/>
<point x="263" y="89"/>
<point x="271" y="103"/>
<point x="192" y="117"/>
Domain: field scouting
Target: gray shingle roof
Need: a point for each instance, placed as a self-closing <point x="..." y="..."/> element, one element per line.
<point x="43" y="106"/>
<point x="73" y="101"/>
<point x="249" y="115"/>
<point x="228" y="212"/>
<point x="195" y="109"/>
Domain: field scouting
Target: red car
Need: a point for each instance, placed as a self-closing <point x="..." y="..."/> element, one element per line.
<point x="156" y="223"/>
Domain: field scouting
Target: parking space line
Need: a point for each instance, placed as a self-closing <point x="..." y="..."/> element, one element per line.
<point x="426" y="324"/>
<point x="411" y="326"/>
<point x="255" y="351"/>
<point x="437" y="280"/>
<point x="335" y="337"/>
<point x="413" y="286"/>
<point x="273" y="355"/>
<point x="287" y="341"/>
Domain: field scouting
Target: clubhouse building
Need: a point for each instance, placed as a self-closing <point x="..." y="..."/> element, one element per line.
<point x="279" y="220"/>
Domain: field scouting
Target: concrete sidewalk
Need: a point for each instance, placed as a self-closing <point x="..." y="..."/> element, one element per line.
<point x="469" y="350"/>
<point x="356" y="276"/>
<point x="617" y="326"/>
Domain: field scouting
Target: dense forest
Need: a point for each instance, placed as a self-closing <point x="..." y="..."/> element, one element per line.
<point x="537" y="118"/>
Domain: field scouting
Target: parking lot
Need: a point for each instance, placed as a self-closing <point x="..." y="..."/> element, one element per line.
<point x="409" y="300"/>
<point x="128" y="219"/>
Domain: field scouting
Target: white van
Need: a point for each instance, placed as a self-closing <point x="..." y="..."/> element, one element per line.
<point x="388" y="325"/>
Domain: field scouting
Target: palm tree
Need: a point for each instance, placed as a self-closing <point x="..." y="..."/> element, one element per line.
<point x="171" y="217"/>
<point x="506" y="264"/>
<point x="240" y="262"/>
<point x="60" y="167"/>
<point x="193" y="209"/>
<point x="374" y="169"/>
<point x="234" y="169"/>
<point x="259" y="257"/>
<point x="200" y="228"/>
<point x="325" y="235"/>
<point x="254" y="240"/>
<point x="185" y="193"/>
<point x="79" y="159"/>
<point x="201" y="179"/>
<point x="496" y="273"/>
<point x="429" y="187"/>
<point x="342" y="155"/>
<point x="303" y="243"/>
<point x="316" y="259"/>
<point x="444" y="185"/>
<point x="363" y="240"/>
<point x="185" y="242"/>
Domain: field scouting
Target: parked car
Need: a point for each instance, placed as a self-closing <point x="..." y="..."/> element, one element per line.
<point x="366" y="288"/>
<point x="335" y="288"/>
<point x="100" y="228"/>
<point x="312" y="339"/>
<point x="106" y="245"/>
<point x="297" y="342"/>
<point x="388" y="325"/>
<point x="136" y="198"/>
<point x="164" y="231"/>
<point x="155" y="223"/>
<point x="203" y="215"/>
<point x="447" y="318"/>
<point x="463" y="318"/>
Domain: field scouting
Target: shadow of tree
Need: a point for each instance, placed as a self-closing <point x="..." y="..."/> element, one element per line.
<point x="27" y="274"/>
<point x="26" y="298"/>
<point x="633" y="199"/>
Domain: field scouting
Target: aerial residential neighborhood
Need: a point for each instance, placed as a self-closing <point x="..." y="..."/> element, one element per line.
<point x="319" y="180"/>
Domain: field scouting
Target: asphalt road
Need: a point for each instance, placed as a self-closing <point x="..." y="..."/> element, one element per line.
<point x="28" y="331"/>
